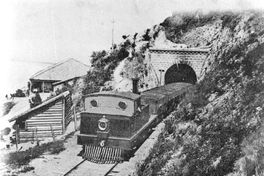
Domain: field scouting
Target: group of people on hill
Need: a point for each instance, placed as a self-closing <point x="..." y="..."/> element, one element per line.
<point x="11" y="97"/>
<point x="35" y="99"/>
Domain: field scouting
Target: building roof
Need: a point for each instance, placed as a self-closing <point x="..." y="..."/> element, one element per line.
<point x="66" y="80"/>
<point x="127" y="95"/>
<point x="44" y="103"/>
<point x="64" y="70"/>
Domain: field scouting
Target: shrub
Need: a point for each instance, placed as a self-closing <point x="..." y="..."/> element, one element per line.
<point x="178" y="24"/>
<point x="230" y="20"/>
<point x="157" y="158"/>
<point x="7" y="107"/>
<point x="103" y="66"/>
<point x="97" y="57"/>
<point x="19" y="93"/>
<point x="27" y="169"/>
<point x="17" y="159"/>
<point x="146" y="36"/>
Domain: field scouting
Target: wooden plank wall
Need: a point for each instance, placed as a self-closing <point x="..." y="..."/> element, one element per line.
<point x="44" y="124"/>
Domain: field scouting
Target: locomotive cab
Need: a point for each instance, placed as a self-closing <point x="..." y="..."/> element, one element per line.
<point x="109" y="124"/>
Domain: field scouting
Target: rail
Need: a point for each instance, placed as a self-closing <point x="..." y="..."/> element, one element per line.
<point x="111" y="169"/>
<point x="75" y="167"/>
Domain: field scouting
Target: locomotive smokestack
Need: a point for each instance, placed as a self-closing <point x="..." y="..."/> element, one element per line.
<point x="135" y="85"/>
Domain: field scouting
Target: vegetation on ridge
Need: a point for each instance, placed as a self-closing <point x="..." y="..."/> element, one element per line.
<point x="103" y="64"/>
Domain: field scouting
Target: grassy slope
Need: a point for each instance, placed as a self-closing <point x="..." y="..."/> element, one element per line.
<point x="215" y="129"/>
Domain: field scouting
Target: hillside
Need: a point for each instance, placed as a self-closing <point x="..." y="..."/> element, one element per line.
<point x="218" y="128"/>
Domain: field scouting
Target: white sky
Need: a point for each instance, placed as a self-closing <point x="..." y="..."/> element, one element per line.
<point x="54" y="30"/>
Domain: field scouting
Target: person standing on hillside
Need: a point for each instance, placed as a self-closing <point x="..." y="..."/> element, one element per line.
<point x="35" y="99"/>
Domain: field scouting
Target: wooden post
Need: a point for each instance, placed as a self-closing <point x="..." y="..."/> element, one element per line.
<point x="52" y="133"/>
<point x="43" y="86"/>
<point x="30" y="89"/>
<point x="75" y="118"/>
<point x="33" y="136"/>
<point x="36" y="132"/>
<point x="63" y="115"/>
<point x="17" y="136"/>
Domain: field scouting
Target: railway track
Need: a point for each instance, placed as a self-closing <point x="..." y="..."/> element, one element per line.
<point x="111" y="169"/>
<point x="77" y="165"/>
<point x="74" y="168"/>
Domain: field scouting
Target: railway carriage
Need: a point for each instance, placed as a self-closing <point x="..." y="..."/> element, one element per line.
<point x="115" y="124"/>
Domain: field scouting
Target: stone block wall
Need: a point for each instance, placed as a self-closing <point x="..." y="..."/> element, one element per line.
<point x="163" y="59"/>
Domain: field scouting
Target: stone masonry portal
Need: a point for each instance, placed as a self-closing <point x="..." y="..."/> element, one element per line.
<point x="188" y="61"/>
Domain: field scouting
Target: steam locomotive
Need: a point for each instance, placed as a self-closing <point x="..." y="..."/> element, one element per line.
<point x="115" y="124"/>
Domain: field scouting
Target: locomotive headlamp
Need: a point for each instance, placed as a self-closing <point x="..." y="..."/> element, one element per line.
<point x="122" y="105"/>
<point x="103" y="124"/>
<point x="94" y="103"/>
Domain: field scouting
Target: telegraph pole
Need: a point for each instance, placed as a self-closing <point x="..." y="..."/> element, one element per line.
<point x="113" y="22"/>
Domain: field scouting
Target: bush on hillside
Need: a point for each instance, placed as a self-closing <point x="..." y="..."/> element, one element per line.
<point x="146" y="36"/>
<point x="7" y="107"/>
<point x="180" y="23"/>
<point x="17" y="159"/>
<point x="20" y="160"/>
<point x="103" y="67"/>
<point x="96" y="57"/>
<point x="18" y="93"/>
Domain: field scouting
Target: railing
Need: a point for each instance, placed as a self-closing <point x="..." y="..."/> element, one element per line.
<point x="74" y="114"/>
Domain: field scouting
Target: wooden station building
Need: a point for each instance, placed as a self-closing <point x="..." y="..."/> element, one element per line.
<point x="48" y="119"/>
<point x="67" y="70"/>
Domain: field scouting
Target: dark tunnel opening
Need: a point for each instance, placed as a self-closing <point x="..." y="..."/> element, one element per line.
<point x="180" y="73"/>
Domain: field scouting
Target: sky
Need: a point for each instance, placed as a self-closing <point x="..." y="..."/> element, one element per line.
<point x="35" y="34"/>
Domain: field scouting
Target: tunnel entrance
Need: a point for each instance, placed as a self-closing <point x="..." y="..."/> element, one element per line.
<point x="180" y="73"/>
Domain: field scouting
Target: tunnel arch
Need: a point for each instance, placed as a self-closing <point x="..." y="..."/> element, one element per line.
<point x="180" y="73"/>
